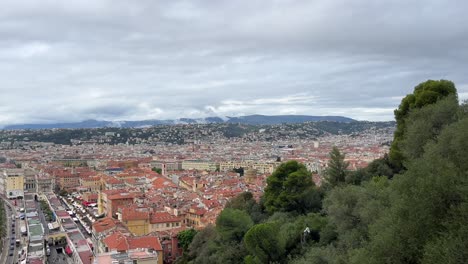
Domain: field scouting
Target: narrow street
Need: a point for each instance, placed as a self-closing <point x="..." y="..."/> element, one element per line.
<point x="9" y="255"/>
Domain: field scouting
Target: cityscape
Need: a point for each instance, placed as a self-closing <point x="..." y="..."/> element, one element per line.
<point x="233" y="132"/>
<point x="94" y="197"/>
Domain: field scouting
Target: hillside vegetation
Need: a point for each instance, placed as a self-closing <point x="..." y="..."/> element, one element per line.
<point x="411" y="207"/>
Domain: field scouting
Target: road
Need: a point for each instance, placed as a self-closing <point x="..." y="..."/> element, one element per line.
<point x="10" y="238"/>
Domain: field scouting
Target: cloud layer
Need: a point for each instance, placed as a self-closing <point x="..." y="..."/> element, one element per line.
<point x="133" y="60"/>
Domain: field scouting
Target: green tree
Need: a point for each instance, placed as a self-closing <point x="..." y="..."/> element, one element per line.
<point x="426" y="199"/>
<point x="203" y="245"/>
<point x="157" y="170"/>
<point x="450" y="246"/>
<point x="290" y="188"/>
<point x="425" y="93"/>
<point x="291" y="233"/>
<point x="185" y="237"/>
<point x="232" y="224"/>
<point x="245" y="202"/>
<point x="337" y="168"/>
<point x="426" y="124"/>
<point x="263" y="244"/>
<point x="351" y="209"/>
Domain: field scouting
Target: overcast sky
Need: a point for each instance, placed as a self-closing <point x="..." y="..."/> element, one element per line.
<point x="65" y="61"/>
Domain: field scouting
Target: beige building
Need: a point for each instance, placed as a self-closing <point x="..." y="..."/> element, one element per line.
<point x="163" y="221"/>
<point x="203" y="165"/>
<point x="30" y="181"/>
<point x="45" y="183"/>
<point x="260" y="166"/>
<point x="166" y="165"/>
<point x="13" y="183"/>
<point x="91" y="184"/>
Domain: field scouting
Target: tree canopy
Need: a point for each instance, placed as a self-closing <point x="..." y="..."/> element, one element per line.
<point x="425" y="93"/>
<point x="372" y="215"/>
<point x="290" y="188"/>
<point x="337" y="168"/>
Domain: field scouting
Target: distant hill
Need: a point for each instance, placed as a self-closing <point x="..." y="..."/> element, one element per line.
<point x="250" y="119"/>
<point x="288" y="119"/>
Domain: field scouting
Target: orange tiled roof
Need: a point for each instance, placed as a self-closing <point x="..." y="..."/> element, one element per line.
<point x="129" y="214"/>
<point x="150" y="242"/>
<point x="116" y="241"/>
<point x="122" y="195"/>
<point x="120" y="242"/>
<point x="104" y="224"/>
<point x="160" y="183"/>
<point x="163" y="217"/>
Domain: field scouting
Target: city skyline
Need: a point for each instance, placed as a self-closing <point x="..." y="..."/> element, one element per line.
<point x="140" y="60"/>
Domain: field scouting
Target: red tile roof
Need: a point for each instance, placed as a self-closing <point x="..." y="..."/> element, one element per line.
<point x="150" y="242"/>
<point x="163" y="217"/>
<point x="129" y="214"/>
<point x="120" y="242"/>
<point x="104" y="224"/>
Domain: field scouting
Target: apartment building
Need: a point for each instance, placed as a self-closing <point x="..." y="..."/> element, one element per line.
<point x="203" y="165"/>
<point x="261" y="167"/>
<point x="166" y="165"/>
<point x="110" y="200"/>
<point x="12" y="182"/>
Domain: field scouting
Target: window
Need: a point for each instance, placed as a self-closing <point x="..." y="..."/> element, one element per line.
<point x="167" y="225"/>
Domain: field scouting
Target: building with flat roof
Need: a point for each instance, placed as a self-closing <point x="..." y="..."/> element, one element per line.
<point x="203" y="165"/>
<point x="12" y="183"/>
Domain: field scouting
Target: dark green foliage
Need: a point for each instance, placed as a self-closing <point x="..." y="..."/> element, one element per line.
<point x="263" y="244"/>
<point x="207" y="247"/>
<point x="203" y="245"/>
<point x="185" y="237"/>
<point x="424" y="94"/>
<point x="292" y="232"/>
<point x="63" y="193"/>
<point x="451" y="246"/>
<point x="232" y="224"/>
<point x="337" y="168"/>
<point x="351" y="209"/>
<point x="247" y="203"/>
<point x="290" y="188"/>
<point x="321" y="255"/>
<point x="426" y="124"/>
<point x="379" y="214"/>
<point x="424" y="198"/>
<point x="157" y="170"/>
<point x="243" y="201"/>
<point x="378" y="167"/>
<point x="239" y="170"/>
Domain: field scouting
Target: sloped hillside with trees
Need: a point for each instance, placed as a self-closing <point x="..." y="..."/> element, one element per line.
<point x="408" y="207"/>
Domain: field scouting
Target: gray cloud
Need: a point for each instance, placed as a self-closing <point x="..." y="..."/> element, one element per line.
<point x="115" y="60"/>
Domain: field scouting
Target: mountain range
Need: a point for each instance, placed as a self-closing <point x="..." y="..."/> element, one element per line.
<point x="249" y="119"/>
